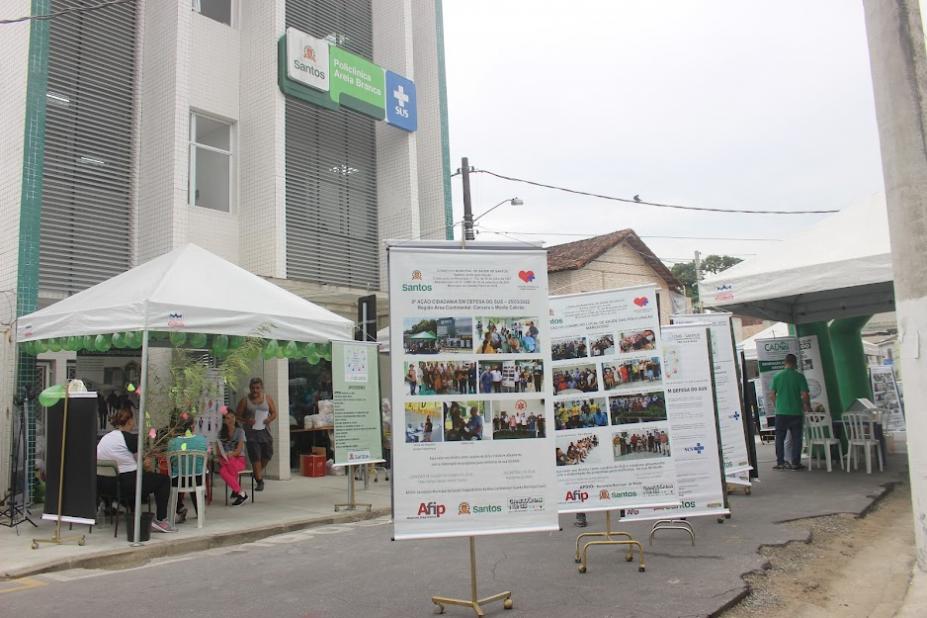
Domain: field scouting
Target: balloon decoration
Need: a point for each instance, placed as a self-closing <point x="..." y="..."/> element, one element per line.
<point x="119" y="340"/>
<point x="86" y="342"/>
<point x="236" y="342"/>
<point x="291" y="350"/>
<point x="326" y="353"/>
<point x="178" y="338"/>
<point x="198" y="341"/>
<point x="102" y="343"/>
<point x="27" y="348"/>
<point x="54" y="344"/>
<point x="40" y="346"/>
<point x="52" y="395"/>
<point x="220" y="345"/>
<point x="270" y="349"/>
<point x="134" y="339"/>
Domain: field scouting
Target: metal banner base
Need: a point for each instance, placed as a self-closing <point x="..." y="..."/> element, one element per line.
<point x="582" y="557"/>
<point x="474" y="602"/>
<point x="732" y="487"/>
<point x="352" y="504"/>
<point x="673" y="524"/>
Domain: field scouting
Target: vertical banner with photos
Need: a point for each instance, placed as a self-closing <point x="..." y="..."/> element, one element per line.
<point x="770" y="356"/>
<point x="470" y="353"/>
<point x="810" y="366"/>
<point x="356" y="382"/>
<point x="727" y="388"/>
<point x="885" y="395"/>
<point x="614" y="448"/>
<point x="690" y="401"/>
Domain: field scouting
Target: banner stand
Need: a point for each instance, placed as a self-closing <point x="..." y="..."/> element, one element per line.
<point x="474" y="602"/>
<point x="608" y="533"/>
<point x="57" y="539"/>
<point x="352" y="503"/>
<point x="675" y="524"/>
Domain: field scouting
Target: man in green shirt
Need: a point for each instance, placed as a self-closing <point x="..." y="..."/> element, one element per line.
<point x="791" y="397"/>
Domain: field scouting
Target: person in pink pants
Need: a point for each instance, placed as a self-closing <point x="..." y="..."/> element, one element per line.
<point x="231" y="446"/>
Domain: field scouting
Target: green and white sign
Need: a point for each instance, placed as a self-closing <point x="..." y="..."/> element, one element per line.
<point x="357" y="83"/>
<point x="356" y="382"/>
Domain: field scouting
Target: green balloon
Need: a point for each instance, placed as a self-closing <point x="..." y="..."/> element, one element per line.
<point x="236" y="342"/>
<point x="119" y="340"/>
<point x="54" y="344"/>
<point x="52" y="395"/>
<point x="178" y="338"/>
<point x="291" y="350"/>
<point x="27" y="348"/>
<point x="198" y="341"/>
<point x="86" y="342"/>
<point x="102" y="343"/>
<point x="313" y="358"/>
<point x="72" y="344"/>
<point x="311" y="349"/>
<point x="220" y="345"/>
<point x="271" y="348"/>
<point x="39" y="346"/>
<point x="133" y="339"/>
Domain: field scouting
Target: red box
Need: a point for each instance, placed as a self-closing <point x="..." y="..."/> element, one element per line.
<point x="312" y="465"/>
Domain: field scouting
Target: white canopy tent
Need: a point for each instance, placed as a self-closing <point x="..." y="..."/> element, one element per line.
<point x="781" y="329"/>
<point x="189" y="290"/>
<point x="839" y="267"/>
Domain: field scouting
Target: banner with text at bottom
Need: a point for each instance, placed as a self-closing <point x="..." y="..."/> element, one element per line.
<point x="770" y="357"/>
<point x="356" y="382"/>
<point x="470" y="359"/>
<point x="690" y="395"/>
<point x="614" y="443"/>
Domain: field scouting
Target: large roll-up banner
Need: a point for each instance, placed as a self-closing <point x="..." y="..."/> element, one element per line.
<point x="470" y="352"/>
<point x="614" y="444"/>
<point x="690" y="401"/>
<point x="727" y="389"/>
<point x="770" y="356"/>
<point x="356" y="382"/>
<point x="813" y="371"/>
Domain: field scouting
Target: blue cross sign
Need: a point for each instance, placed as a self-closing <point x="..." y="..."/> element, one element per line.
<point x="698" y="448"/>
<point x="401" y="110"/>
<point x="735" y="415"/>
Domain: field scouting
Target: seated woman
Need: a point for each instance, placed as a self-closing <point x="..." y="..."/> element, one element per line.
<point x="120" y="445"/>
<point x="231" y="445"/>
<point x="186" y="440"/>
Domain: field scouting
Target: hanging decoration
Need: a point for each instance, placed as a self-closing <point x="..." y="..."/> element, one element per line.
<point x="178" y="338"/>
<point x="102" y="343"/>
<point x="270" y="349"/>
<point x="220" y="345"/>
<point x="119" y="340"/>
<point x="198" y="341"/>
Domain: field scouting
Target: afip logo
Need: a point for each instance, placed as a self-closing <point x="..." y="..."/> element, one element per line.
<point x="175" y="320"/>
<point x="698" y="449"/>
<point x="463" y="508"/>
<point x="431" y="509"/>
<point x="725" y="291"/>
<point x="577" y="495"/>
<point x="526" y="275"/>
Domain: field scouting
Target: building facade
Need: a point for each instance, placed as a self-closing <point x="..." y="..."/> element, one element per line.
<point x="136" y="128"/>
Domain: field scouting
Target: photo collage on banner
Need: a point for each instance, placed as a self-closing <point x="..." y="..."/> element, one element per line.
<point x="690" y="400"/>
<point x="613" y="444"/>
<point x="770" y="356"/>
<point x="886" y="396"/>
<point x="472" y="430"/>
<point x="727" y="389"/>
<point x="356" y="382"/>
<point x="813" y="371"/>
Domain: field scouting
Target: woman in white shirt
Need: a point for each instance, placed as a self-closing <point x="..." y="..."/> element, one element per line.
<point x="121" y="446"/>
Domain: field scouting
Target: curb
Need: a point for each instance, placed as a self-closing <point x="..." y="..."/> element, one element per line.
<point x="136" y="556"/>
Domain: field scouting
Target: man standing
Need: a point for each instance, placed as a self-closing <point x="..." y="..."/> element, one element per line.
<point x="791" y="398"/>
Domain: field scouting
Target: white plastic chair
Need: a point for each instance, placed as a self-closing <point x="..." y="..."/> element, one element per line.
<point x="820" y="432"/>
<point x="860" y="434"/>
<point x="182" y="466"/>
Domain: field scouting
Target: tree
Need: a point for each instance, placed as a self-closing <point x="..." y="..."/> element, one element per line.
<point x="685" y="271"/>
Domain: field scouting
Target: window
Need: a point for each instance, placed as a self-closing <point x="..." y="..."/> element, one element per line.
<point x="210" y="163"/>
<point x="219" y="10"/>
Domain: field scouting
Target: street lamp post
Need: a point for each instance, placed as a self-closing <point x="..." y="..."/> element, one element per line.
<point x="468" y="219"/>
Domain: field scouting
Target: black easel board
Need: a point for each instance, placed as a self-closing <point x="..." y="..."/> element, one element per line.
<point x="79" y="500"/>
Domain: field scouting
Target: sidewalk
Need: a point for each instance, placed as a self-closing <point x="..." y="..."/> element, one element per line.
<point x="915" y="601"/>
<point x="283" y="506"/>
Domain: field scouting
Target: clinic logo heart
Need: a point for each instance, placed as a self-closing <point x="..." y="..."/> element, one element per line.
<point x="641" y="301"/>
<point x="526" y="275"/>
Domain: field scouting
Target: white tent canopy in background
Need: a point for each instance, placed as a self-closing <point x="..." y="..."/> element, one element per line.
<point x="189" y="290"/>
<point x="839" y="267"/>
<point x="748" y="345"/>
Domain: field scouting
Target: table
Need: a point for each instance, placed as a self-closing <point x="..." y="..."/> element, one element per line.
<point x="307" y="437"/>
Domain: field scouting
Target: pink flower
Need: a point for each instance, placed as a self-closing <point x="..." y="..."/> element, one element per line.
<point x="152" y="433"/>
<point x="224" y="410"/>
<point x="184" y="416"/>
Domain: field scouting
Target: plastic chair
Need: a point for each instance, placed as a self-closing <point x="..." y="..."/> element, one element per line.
<point x="820" y="432"/>
<point x="860" y="434"/>
<point x="183" y="466"/>
<point x="107" y="468"/>
<point x="246" y="472"/>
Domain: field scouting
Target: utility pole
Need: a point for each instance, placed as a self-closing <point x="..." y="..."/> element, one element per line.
<point x="698" y="277"/>
<point x="468" y="207"/>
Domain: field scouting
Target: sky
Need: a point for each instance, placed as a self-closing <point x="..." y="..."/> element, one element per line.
<point x="718" y="103"/>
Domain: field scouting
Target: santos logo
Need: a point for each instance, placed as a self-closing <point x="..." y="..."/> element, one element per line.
<point x="416" y="287"/>
<point x="577" y="496"/>
<point x="431" y="509"/>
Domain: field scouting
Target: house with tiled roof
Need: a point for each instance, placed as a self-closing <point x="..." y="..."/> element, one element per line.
<point x="616" y="260"/>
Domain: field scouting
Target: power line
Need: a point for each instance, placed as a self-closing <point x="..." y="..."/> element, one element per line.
<point x="76" y="9"/>
<point x="637" y="200"/>
<point x="590" y="234"/>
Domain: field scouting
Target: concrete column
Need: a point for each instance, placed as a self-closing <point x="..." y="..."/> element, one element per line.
<point x="846" y="345"/>
<point x="898" y="60"/>
<point x="276" y="384"/>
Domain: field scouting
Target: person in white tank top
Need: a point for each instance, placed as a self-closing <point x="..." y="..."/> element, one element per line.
<point x="255" y="413"/>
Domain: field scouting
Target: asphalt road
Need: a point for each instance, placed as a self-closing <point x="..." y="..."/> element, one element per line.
<point x="355" y="570"/>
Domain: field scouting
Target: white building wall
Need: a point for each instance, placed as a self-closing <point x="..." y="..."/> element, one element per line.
<point x="14" y="70"/>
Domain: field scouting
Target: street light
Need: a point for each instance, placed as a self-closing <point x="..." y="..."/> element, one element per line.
<point x="469" y="221"/>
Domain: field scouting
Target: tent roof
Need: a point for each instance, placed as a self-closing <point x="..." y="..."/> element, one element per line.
<point x="839" y="267"/>
<point x="190" y="290"/>
<point x="748" y="345"/>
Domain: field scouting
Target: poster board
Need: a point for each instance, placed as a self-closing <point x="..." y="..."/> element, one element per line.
<point x="770" y="356"/>
<point x="356" y="382"/>
<point x="810" y="366"/>
<point x="690" y="396"/>
<point x="464" y="462"/>
<point x="79" y="498"/>
<point x="614" y="445"/>
<point x="727" y="388"/>
<point x="886" y="395"/>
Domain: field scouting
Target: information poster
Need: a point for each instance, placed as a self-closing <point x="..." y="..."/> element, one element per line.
<point x="614" y="447"/>
<point x="470" y="341"/>
<point x="814" y="373"/>
<point x="356" y="383"/>
<point x="693" y="420"/>
<point x="770" y="356"/>
<point x="727" y="388"/>
<point x="885" y="395"/>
